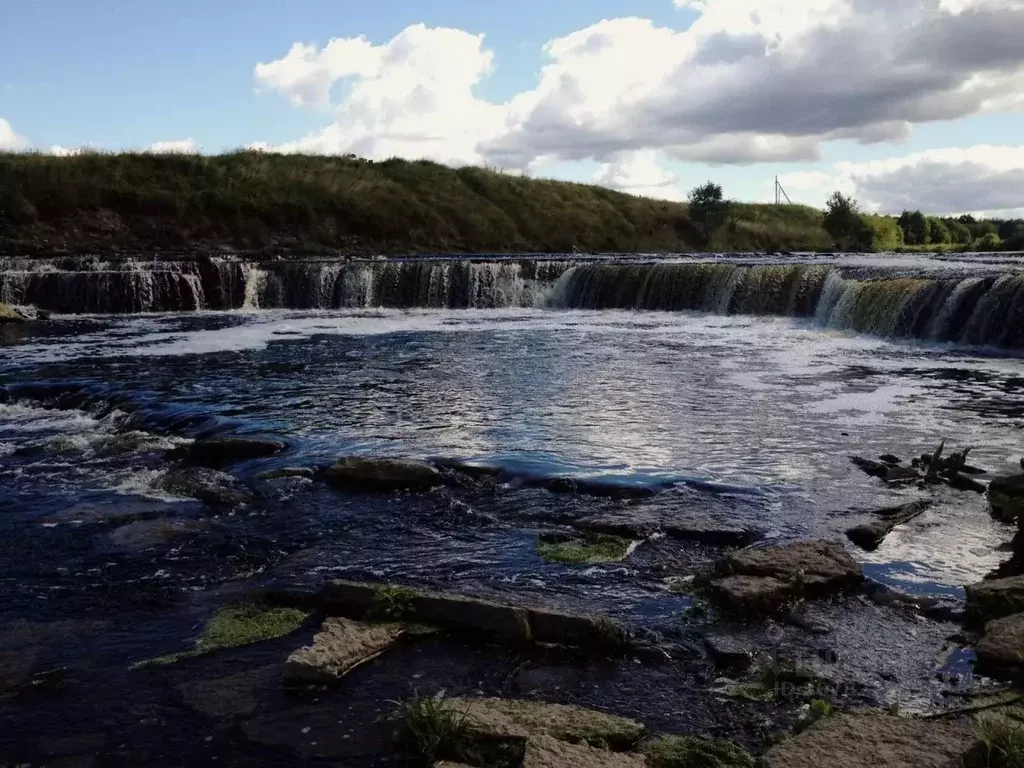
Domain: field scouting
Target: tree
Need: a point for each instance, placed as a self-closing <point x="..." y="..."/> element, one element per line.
<point x="843" y="220"/>
<point x="920" y="232"/>
<point x="958" y="232"/>
<point x="989" y="242"/>
<point x="1010" y="228"/>
<point x="709" y="210"/>
<point x="937" y="232"/>
<point x="886" y="234"/>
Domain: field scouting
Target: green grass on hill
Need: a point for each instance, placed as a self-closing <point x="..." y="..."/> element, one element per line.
<point x="256" y="201"/>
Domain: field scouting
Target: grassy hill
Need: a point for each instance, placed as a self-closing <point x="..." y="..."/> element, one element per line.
<point x="257" y="201"/>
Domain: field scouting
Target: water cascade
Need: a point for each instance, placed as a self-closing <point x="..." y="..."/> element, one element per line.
<point x="980" y="310"/>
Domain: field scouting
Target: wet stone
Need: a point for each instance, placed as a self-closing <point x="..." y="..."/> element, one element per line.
<point x="383" y="475"/>
<point x="995" y="599"/>
<point x="233" y="696"/>
<point x="340" y="646"/>
<point x="1006" y="495"/>
<point x="1001" y="648"/>
<point x="639" y="524"/>
<point x="728" y="652"/>
<point x="870" y="535"/>
<point x="150" y="534"/>
<point x="215" y="488"/>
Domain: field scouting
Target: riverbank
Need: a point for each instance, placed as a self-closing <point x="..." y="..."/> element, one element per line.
<point x="258" y="202"/>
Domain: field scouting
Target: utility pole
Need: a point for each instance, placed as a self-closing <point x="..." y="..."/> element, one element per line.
<point x="780" y="193"/>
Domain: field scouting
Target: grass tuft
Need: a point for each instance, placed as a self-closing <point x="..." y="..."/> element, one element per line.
<point x="1002" y="737"/>
<point x="431" y="729"/>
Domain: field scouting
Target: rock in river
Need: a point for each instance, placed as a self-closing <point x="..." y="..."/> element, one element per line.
<point x="870" y="535"/>
<point x="216" y="452"/>
<point x="995" y="599"/>
<point x="340" y="646"/>
<point x="1001" y="648"/>
<point x="678" y="525"/>
<point x="765" y="579"/>
<point x="1006" y="495"/>
<point x="367" y="474"/>
<point x="215" y="488"/>
<point x="872" y="741"/>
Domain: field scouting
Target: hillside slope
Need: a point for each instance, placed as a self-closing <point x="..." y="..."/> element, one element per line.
<point x="256" y="201"/>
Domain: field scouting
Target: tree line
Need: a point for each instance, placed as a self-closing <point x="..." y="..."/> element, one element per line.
<point x="852" y="229"/>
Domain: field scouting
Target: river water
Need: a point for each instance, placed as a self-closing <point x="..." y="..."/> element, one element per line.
<point x="749" y="420"/>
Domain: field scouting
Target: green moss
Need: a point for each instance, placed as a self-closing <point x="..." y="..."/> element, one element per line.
<point x="695" y="752"/>
<point x="588" y="550"/>
<point x="392" y="603"/>
<point x="238" y="625"/>
<point x="817" y="711"/>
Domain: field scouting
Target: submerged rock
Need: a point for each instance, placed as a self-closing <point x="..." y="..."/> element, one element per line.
<point x="766" y="579"/>
<point x="216" y="452"/>
<point x="228" y="697"/>
<point x="141" y="535"/>
<point x="638" y="524"/>
<point x="870" y="741"/>
<point x="340" y="646"/>
<point x="870" y="535"/>
<point x="728" y="652"/>
<point x="995" y="599"/>
<point x="1006" y="495"/>
<point x="369" y="474"/>
<point x="285" y="473"/>
<point x="873" y="468"/>
<point x="215" y="488"/>
<point x="1001" y="648"/>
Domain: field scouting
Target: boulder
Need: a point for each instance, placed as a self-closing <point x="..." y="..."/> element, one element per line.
<point x="216" y="452"/>
<point x="870" y="535"/>
<point x="531" y="719"/>
<point x="141" y="535"/>
<point x="728" y="652"/>
<point x="368" y="474"/>
<point x="1002" y="645"/>
<point x="995" y="599"/>
<point x="215" y="488"/>
<point x="897" y="475"/>
<point x="686" y="751"/>
<point x="637" y="524"/>
<point x="546" y="752"/>
<point x="870" y="741"/>
<point x="962" y="482"/>
<point x="340" y="646"/>
<point x="1006" y="495"/>
<point x="767" y="578"/>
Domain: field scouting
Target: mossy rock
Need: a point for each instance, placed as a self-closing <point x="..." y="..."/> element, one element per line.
<point x="592" y="549"/>
<point x="239" y="625"/>
<point x="696" y="752"/>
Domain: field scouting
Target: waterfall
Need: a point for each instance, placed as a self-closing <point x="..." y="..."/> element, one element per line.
<point x="977" y="310"/>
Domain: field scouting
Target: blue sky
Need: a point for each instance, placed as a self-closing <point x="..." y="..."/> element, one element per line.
<point x="693" y="102"/>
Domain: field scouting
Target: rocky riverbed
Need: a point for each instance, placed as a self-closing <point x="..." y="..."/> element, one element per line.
<point x="294" y="554"/>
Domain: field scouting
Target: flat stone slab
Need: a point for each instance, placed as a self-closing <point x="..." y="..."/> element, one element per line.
<point x="636" y="524"/>
<point x="531" y="719"/>
<point x="547" y="752"/>
<point x="470" y="615"/>
<point x="340" y="646"/>
<point x="383" y="475"/>
<point x="764" y="579"/>
<point x="871" y="741"/>
<point x="870" y="535"/>
<point x="1002" y="645"/>
<point x="994" y="599"/>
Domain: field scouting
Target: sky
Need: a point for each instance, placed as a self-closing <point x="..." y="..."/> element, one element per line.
<point x="902" y="103"/>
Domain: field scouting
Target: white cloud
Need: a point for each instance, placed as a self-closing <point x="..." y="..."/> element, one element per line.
<point x="182" y="147"/>
<point x="749" y="81"/>
<point x="411" y="97"/>
<point x="639" y="173"/>
<point x="981" y="178"/>
<point x="9" y="139"/>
